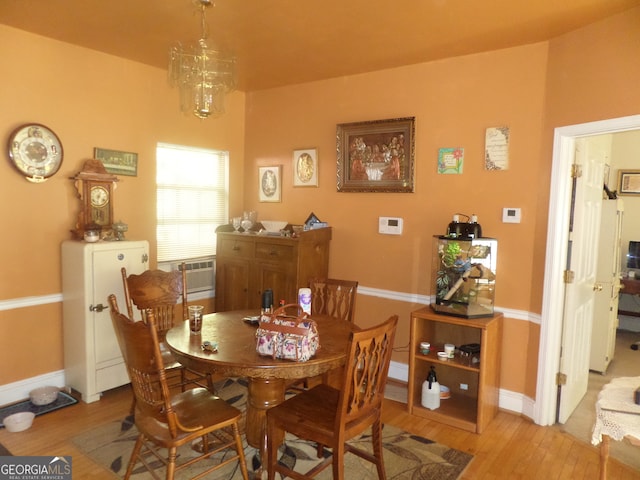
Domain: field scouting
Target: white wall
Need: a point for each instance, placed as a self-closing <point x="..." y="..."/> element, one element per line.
<point x="625" y="155"/>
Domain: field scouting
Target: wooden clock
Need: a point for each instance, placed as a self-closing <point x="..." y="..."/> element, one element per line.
<point x="95" y="190"/>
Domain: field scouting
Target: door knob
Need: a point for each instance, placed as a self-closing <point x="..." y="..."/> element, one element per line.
<point x="597" y="287"/>
<point x="97" y="308"/>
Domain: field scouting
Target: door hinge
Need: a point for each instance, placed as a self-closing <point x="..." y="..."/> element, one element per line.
<point x="576" y="170"/>
<point x="569" y="276"/>
<point x="561" y="378"/>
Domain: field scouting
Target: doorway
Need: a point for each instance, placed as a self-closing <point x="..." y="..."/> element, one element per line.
<point x="556" y="257"/>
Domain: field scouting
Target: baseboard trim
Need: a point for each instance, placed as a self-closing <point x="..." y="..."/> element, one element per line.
<point x="14" y="392"/>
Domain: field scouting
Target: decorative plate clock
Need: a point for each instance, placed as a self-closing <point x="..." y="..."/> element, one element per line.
<point x="95" y="189"/>
<point x="35" y="151"/>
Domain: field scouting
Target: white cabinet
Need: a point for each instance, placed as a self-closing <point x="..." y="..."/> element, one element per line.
<point x="90" y="273"/>
<point x="607" y="287"/>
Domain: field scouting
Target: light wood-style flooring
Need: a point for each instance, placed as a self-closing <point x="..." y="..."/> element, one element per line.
<point x="511" y="447"/>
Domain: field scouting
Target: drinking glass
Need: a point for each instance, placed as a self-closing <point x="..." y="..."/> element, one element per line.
<point x="235" y="221"/>
<point x="195" y="319"/>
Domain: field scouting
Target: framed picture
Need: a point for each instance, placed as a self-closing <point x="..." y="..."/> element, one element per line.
<point x="376" y="156"/>
<point x="629" y="182"/>
<point x="269" y="184"/>
<point x="305" y="168"/>
<point x="116" y="162"/>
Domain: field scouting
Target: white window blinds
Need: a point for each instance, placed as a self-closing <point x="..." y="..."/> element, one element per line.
<point x="192" y="200"/>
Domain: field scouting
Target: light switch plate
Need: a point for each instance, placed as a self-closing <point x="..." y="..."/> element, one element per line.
<point x="511" y="215"/>
<point x="390" y="225"/>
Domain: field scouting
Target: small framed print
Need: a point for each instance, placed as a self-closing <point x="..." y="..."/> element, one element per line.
<point x="629" y="182"/>
<point x="270" y="184"/>
<point x="305" y="168"/>
<point x="117" y="162"/>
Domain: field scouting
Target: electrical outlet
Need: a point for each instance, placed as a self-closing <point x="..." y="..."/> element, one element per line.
<point x="464" y="386"/>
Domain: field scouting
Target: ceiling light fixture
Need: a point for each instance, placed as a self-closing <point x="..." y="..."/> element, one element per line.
<point x="204" y="75"/>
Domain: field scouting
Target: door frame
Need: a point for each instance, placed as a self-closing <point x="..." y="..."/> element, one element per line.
<point x="544" y="412"/>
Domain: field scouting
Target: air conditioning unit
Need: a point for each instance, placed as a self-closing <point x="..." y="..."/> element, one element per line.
<point x="201" y="274"/>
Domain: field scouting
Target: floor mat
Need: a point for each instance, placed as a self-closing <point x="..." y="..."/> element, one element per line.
<point x="63" y="400"/>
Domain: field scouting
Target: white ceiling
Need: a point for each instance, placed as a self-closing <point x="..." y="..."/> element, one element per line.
<point x="280" y="42"/>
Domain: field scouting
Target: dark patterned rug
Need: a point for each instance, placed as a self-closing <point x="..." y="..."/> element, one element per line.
<point x="406" y="456"/>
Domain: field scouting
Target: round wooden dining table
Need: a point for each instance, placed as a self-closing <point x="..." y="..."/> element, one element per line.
<point x="236" y="357"/>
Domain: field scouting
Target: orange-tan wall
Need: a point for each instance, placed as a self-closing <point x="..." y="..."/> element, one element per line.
<point x="91" y="99"/>
<point x="453" y="101"/>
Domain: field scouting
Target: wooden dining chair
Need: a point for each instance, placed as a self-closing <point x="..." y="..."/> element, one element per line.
<point x="333" y="297"/>
<point x="165" y="293"/>
<point x="166" y="421"/>
<point x="331" y="416"/>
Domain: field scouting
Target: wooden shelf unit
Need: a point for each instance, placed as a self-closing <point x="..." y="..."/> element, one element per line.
<point x="470" y="409"/>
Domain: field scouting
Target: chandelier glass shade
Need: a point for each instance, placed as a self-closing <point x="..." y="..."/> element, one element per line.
<point x="203" y="74"/>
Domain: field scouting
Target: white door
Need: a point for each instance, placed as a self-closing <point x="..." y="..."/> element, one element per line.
<point x="590" y="156"/>
<point x="108" y="280"/>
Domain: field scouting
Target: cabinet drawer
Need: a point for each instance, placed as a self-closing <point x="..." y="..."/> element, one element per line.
<point x="235" y="248"/>
<point x="270" y="251"/>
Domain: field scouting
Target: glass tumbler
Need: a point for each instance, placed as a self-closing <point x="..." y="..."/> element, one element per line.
<point x="195" y="319"/>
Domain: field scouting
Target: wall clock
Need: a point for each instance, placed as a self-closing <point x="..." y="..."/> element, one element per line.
<point x="35" y="151"/>
<point x="95" y="190"/>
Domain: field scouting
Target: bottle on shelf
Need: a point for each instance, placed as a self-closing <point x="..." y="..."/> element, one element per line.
<point x="454" y="230"/>
<point x="431" y="391"/>
<point x="475" y="230"/>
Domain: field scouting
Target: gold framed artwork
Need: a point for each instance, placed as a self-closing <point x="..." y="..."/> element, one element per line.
<point x="270" y="183"/>
<point x="376" y="156"/>
<point x="117" y="162"/>
<point x="305" y="168"/>
<point x="629" y="182"/>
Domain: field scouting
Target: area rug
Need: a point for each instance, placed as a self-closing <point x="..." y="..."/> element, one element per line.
<point x="63" y="400"/>
<point x="406" y="456"/>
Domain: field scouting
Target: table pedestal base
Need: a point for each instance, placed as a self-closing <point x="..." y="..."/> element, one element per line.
<point x="264" y="393"/>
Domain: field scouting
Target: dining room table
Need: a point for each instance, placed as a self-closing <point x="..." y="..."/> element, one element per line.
<point x="617" y="417"/>
<point x="234" y="332"/>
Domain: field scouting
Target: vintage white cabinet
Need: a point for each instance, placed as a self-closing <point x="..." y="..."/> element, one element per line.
<point x="90" y="273"/>
<point x="607" y="287"/>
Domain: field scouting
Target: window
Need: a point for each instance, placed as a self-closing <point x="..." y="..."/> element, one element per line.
<point x="192" y="200"/>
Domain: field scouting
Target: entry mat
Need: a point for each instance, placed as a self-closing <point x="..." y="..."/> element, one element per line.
<point x="63" y="400"/>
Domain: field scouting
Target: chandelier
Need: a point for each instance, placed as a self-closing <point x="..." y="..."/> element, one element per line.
<point x="203" y="74"/>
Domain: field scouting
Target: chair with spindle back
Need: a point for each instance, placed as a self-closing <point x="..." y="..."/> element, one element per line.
<point x="169" y="421"/>
<point x="161" y="292"/>
<point x="331" y="416"/>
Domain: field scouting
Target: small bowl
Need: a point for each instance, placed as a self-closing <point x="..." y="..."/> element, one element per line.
<point x="44" y="395"/>
<point x="273" y="225"/>
<point x="19" y="421"/>
<point x="91" y="236"/>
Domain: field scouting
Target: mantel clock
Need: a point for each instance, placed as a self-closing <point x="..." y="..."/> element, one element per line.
<point x="95" y="189"/>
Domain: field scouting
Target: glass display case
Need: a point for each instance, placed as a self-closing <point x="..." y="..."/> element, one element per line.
<point x="464" y="276"/>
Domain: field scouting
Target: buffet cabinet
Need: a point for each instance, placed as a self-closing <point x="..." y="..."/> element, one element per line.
<point x="474" y="380"/>
<point x="90" y="273"/>
<point x="248" y="264"/>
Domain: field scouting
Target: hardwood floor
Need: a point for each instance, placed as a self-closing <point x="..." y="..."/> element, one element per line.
<point x="511" y="447"/>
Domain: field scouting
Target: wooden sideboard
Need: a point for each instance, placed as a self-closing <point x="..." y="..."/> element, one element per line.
<point x="247" y="264"/>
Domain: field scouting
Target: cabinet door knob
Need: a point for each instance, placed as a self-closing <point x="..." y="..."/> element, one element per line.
<point x="236" y="248"/>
